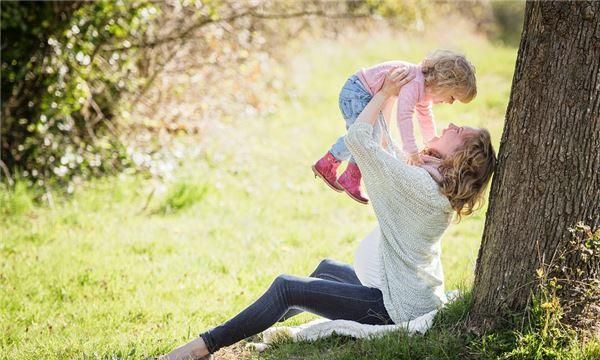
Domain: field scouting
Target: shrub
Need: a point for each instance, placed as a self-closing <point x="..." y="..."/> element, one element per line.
<point x="62" y="83"/>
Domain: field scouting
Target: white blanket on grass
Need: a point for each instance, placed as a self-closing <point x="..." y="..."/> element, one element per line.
<point x="322" y="328"/>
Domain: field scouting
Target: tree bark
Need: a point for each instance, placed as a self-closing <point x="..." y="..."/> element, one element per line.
<point x="548" y="174"/>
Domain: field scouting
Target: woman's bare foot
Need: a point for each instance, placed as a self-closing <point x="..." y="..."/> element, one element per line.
<point x="194" y="350"/>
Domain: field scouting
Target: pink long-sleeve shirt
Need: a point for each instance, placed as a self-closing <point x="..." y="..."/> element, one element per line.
<point x="411" y="99"/>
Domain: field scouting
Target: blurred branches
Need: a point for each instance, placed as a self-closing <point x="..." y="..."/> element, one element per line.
<point x="90" y="88"/>
<point x="79" y="79"/>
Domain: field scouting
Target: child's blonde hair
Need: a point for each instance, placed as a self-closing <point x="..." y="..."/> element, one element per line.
<point x="446" y="70"/>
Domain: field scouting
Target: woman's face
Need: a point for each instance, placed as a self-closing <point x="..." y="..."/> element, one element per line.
<point x="451" y="139"/>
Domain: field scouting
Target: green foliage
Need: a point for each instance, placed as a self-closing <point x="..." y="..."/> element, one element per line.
<point x="182" y="195"/>
<point x="402" y="13"/>
<point x="508" y="21"/>
<point x="15" y="201"/>
<point x="70" y="71"/>
<point x="546" y="331"/>
<point x="543" y="336"/>
<point x="64" y="67"/>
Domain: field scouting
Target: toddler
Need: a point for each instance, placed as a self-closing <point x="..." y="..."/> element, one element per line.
<point x="442" y="77"/>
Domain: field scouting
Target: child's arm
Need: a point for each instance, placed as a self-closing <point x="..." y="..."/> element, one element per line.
<point x="407" y="100"/>
<point x="426" y="121"/>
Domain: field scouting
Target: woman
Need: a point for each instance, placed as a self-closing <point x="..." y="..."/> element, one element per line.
<point x="398" y="274"/>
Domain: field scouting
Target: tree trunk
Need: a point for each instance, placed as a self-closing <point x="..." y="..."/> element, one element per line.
<point x="548" y="174"/>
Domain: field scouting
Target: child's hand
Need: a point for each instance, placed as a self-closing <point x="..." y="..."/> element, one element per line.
<point x="414" y="159"/>
<point x="395" y="79"/>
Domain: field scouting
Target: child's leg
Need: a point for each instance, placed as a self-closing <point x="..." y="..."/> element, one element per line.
<point x="352" y="101"/>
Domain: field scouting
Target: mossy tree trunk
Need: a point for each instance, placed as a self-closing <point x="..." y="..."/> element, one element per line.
<point x="548" y="175"/>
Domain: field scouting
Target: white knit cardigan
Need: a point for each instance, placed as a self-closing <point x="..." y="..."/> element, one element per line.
<point x="413" y="214"/>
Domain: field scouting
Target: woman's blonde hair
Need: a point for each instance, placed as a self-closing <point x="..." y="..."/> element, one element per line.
<point x="447" y="71"/>
<point x="466" y="173"/>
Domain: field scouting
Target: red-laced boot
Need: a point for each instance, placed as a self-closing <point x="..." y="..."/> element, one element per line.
<point x="326" y="169"/>
<point x="350" y="182"/>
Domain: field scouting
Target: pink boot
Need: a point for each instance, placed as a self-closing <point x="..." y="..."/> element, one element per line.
<point x="350" y="181"/>
<point x="326" y="169"/>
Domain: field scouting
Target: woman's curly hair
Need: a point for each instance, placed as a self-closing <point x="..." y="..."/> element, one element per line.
<point x="446" y="70"/>
<point x="466" y="173"/>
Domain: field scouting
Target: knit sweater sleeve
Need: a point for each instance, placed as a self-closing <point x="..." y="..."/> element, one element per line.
<point x="380" y="167"/>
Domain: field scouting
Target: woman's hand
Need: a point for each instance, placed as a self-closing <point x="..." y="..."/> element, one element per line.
<point x="414" y="159"/>
<point x="395" y="79"/>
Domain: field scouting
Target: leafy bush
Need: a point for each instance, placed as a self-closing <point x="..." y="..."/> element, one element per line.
<point x="62" y="82"/>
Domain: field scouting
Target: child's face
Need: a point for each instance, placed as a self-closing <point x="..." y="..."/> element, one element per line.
<point x="441" y="97"/>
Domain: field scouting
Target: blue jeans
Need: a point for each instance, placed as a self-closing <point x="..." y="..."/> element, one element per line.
<point x="353" y="99"/>
<point x="332" y="291"/>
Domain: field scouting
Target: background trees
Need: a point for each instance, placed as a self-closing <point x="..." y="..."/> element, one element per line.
<point x="90" y="88"/>
<point x="74" y="73"/>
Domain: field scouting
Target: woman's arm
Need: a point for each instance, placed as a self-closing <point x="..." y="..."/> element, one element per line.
<point x="392" y="84"/>
<point x="388" y="106"/>
<point x="376" y="164"/>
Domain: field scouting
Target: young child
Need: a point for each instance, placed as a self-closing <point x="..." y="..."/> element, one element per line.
<point x="442" y="77"/>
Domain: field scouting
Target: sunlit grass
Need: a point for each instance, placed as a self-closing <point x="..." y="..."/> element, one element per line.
<point x="128" y="269"/>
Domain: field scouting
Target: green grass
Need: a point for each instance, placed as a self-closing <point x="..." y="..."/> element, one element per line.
<point x="128" y="268"/>
<point x="182" y="196"/>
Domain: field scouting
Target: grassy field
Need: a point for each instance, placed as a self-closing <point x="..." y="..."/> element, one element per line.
<point x="102" y="275"/>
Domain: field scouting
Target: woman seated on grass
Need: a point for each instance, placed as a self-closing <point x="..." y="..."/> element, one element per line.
<point x="398" y="275"/>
